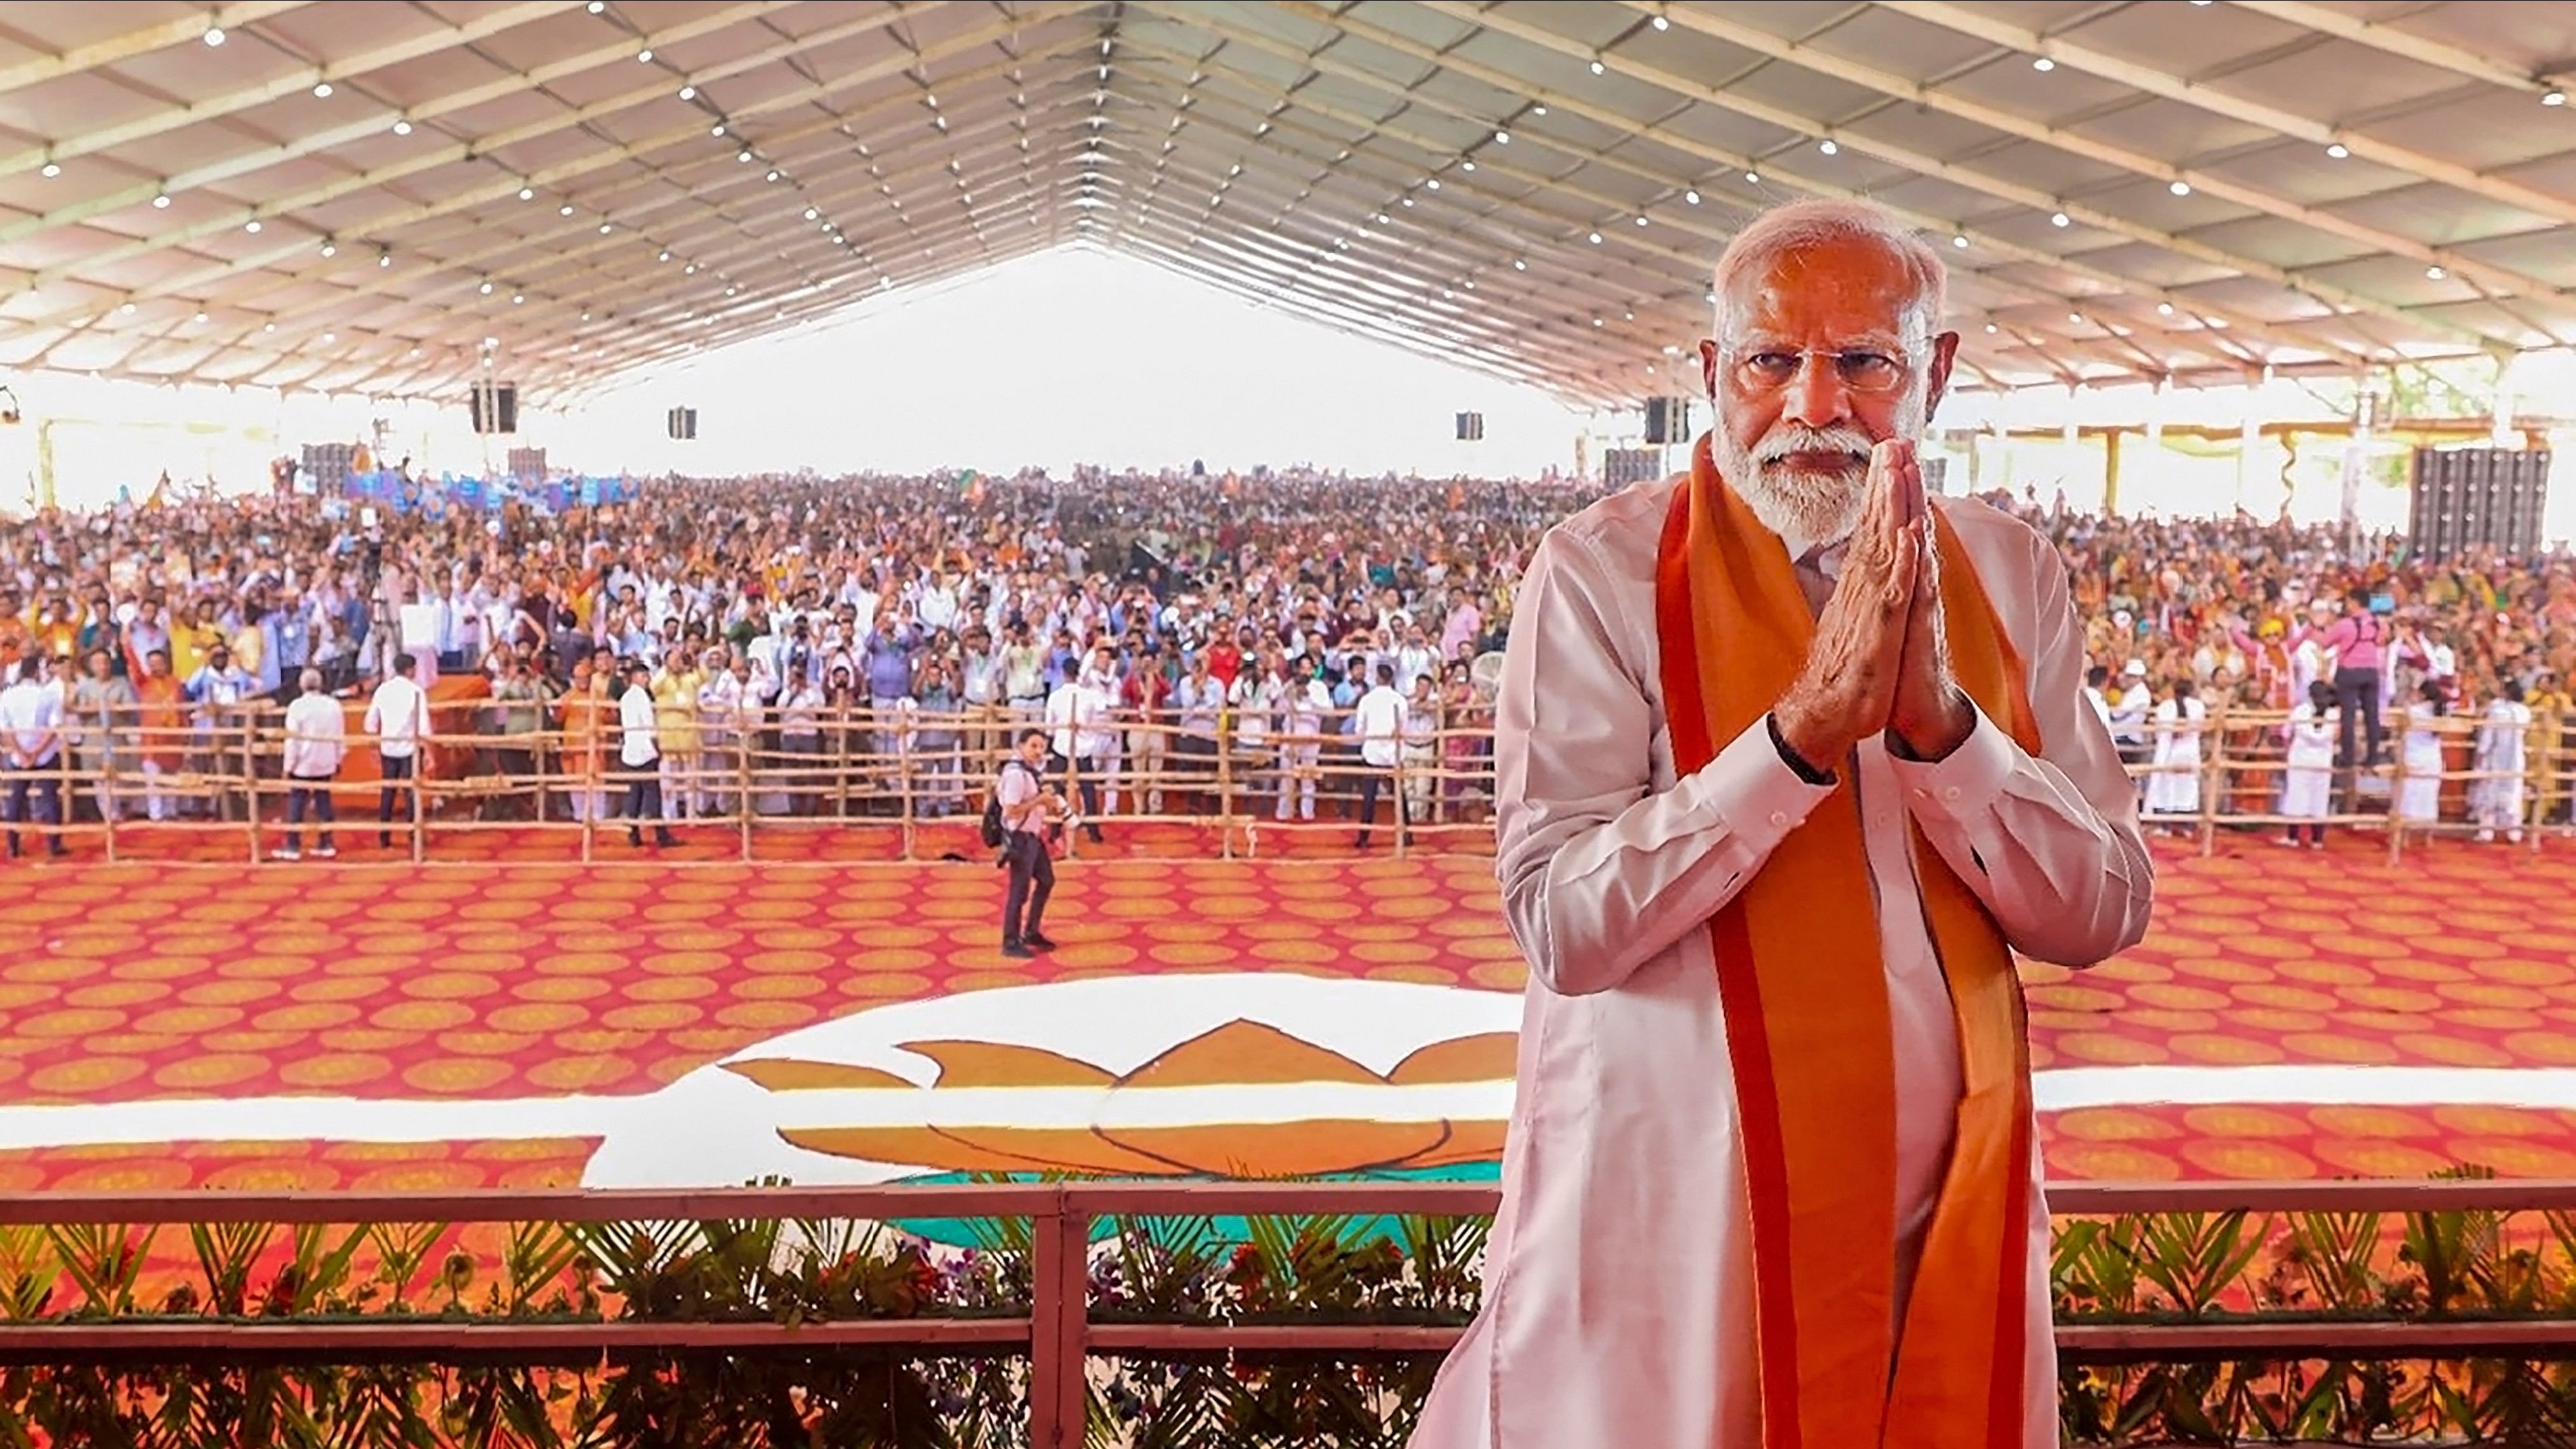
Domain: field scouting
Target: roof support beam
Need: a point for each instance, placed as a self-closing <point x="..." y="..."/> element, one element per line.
<point x="1996" y="118"/>
<point x="2386" y="36"/>
<point x="547" y="177"/>
<point x="1689" y="264"/>
<point x="318" y="142"/>
<point x="161" y="36"/>
<point x="463" y="152"/>
<point x="2154" y="82"/>
<point x="2243" y="326"/>
<point x="1921" y="163"/>
<point x="293" y="83"/>
<point x="697" y="184"/>
<point x="684" y="184"/>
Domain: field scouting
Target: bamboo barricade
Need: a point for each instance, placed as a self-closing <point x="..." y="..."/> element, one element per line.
<point x="910" y="786"/>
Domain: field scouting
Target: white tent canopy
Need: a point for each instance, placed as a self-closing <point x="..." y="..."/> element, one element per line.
<point x="378" y="197"/>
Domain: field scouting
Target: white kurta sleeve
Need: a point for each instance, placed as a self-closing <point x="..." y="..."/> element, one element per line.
<point x="2051" y="844"/>
<point x="1600" y="871"/>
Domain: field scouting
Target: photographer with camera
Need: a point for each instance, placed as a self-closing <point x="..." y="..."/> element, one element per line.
<point x="1026" y="812"/>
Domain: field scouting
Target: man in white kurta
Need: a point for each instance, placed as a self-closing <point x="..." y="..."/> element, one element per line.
<point x="1619" y="1291"/>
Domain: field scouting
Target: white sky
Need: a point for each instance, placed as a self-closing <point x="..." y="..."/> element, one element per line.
<point x="1071" y="356"/>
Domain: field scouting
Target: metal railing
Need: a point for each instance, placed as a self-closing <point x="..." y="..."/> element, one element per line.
<point x="1057" y="1334"/>
<point x="915" y="782"/>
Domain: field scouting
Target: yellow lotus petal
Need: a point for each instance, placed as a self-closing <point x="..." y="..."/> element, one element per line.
<point x="1472" y="1141"/>
<point x="998" y="1064"/>
<point x="789" y="1074"/>
<point x="1282" y="1149"/>
<point x="978" y="1149"/>
<point x="1246" y="1053"/>
<point x="1486" y="1058"/>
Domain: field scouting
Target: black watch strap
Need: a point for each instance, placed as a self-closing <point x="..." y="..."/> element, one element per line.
<point x="1796" y="762"/>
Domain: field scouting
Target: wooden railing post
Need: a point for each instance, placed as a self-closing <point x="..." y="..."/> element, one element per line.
<point x="1059" y="1389"/>
<point x="2213" y="751"/>
<point x="1225" y="783"/>
<point x="742" y="742"/>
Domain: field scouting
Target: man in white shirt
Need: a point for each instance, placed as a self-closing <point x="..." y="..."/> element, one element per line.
<point x="316" y="741"/>
<point x="1789" y="724"/>
<point x="2129" y="713"/>
<point x="1378" y="720"/>
<point x="31" y="745"/>
<point x="398" y="718"/>
<point x="639" y="750"/>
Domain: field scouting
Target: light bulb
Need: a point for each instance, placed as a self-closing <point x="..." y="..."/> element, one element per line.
<point x="322" y="91"/>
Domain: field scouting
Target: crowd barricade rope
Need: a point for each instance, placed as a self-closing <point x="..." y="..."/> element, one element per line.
<point x="917" y="782"/>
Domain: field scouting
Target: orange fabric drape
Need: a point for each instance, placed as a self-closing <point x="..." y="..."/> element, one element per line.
<point x="1803" y="988"/>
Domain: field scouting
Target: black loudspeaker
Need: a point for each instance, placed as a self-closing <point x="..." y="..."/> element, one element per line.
<point x="494" y="406"/>
<point x="2472" y="498"/>
<point x="1667" y="420"/>
<point x="1623" y="466"/>
<point x="684" y="424"/>
<point x="1471" y="427"/>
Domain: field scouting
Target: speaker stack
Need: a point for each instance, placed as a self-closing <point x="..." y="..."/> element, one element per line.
<point x="1623" y="466"/>
<point x="494" y="407"/>
<point x="2473" y="498"/>
<point x="683" y="423"/>
<point x="1667" y="420"/>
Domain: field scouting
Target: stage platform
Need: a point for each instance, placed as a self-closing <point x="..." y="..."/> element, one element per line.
<point x="351" y="1024"/>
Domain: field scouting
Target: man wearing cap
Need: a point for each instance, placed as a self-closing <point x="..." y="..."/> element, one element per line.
<point x="2129" y="713"/>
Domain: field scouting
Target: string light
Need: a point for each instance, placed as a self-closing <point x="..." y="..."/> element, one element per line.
<point x="51" y="171"/>
<point x="214" y="35"/>
<point x="402" y="128"/>
<point x="2059" y="218"/>
<point x="2180" y="188"/>
<point x="161" y="202"/>
<point x="322" y="91"/>
<point x="1828" y="147"/>
<point x="2043" y="65"/>
<point x="251" y="226"/>
<point x="2338" y="151"/>
<point x="1960" y="240"/>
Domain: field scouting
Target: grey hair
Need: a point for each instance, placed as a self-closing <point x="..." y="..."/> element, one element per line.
<point x="1802" y="224"/>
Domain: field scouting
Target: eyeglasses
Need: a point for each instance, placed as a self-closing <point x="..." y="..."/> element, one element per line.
<point x="1859" y="369"/>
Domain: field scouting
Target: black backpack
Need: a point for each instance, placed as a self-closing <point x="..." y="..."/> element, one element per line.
<point x="993" y="832"/>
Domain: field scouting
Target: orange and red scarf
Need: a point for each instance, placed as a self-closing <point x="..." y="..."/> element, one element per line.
<point x="1803" y="987"/>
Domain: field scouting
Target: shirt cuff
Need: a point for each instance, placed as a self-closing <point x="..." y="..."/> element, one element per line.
<point x="1753" y="791"/>
<point x="1966" y="781"/>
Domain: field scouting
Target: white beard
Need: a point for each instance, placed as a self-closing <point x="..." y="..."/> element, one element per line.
<point x="1820" y="508"/>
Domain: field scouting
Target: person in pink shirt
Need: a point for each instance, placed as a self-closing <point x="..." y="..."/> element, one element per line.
<point x="2357" y="641"/>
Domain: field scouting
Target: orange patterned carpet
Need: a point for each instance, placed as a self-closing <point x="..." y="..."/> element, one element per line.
<point x="165" y="987"/>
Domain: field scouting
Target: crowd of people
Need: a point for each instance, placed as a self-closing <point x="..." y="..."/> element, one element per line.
<point x="1317" y="628"/>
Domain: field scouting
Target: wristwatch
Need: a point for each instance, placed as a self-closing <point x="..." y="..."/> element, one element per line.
<point x="1797" y="763"/>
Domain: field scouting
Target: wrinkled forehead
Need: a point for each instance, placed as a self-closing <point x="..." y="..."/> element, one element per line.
<point x="1839" y="292"/>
